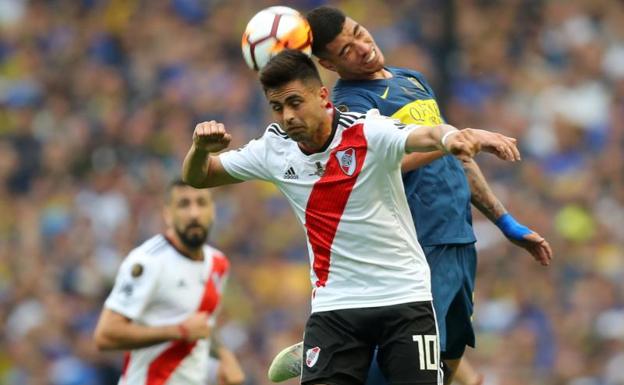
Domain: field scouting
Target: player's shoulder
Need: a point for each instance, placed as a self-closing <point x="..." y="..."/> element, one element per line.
<point x="411" y="75"/>
<point x="348" y="119"/>
<point x="407" y="72"/>
<point x="220" y="261"/>
<point x="274" y="132"/>
<point x="374" y="119"/>
<point x="347" y="88"/>
<point x="150" y="251"/>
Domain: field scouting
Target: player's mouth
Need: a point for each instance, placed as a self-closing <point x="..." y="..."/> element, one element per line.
<point x="371" y="56"/>
<point x="294" y="128"/>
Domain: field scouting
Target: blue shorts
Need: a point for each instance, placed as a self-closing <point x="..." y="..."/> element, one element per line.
<point x="453" y="270"/>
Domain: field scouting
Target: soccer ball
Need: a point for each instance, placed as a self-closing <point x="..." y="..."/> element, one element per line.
<point x="272" y="30"/>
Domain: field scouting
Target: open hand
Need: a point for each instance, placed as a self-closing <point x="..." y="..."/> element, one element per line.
<point x="537" y="246"/>
<point x="468" y="142"/>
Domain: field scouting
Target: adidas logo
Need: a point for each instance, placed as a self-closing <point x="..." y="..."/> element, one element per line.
<point x="290" y="174"/>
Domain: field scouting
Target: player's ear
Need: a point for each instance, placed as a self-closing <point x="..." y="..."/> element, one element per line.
<point x="327" y="64"/>
<point x="324" y="93"/>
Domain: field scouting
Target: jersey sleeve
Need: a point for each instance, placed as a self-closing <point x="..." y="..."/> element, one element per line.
<point x="387" y="137"/>
<point x="134" y="286"/>
<point x="247" y="162"/>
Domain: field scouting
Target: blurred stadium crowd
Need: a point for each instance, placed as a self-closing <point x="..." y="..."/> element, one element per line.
<point x="98" y="100"/>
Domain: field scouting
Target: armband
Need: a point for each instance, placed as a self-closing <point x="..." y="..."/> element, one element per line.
<point x="511" y="228"/>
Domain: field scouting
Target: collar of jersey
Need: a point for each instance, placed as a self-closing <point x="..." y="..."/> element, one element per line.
<point x="182" y="253"/>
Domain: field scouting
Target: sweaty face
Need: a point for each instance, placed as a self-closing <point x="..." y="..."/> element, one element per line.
<point x="299" y="108"/>
<point x="353" y="54"/>
<point x="190" y="212"/>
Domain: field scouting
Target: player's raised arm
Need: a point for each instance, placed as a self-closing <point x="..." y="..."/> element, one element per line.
<point x="464" y="144"/>
<point x="200" y="169"/>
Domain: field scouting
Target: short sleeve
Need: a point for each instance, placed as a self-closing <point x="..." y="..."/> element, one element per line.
<point x="134" y="285"/>
<point x="387" y="137"/>
<point x="248" y="162"/>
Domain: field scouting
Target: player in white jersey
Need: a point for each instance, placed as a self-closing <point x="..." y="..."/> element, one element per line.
<point x="341" y="174"/>
<point x="162" y="307"/>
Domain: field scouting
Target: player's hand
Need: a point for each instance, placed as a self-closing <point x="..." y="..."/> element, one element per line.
<point x="537" y="246"/>
<point x="229" y="371"/>
<point x="211" y="136"/>
<point x="468" y="142"/>
<point x="196" y="326"/>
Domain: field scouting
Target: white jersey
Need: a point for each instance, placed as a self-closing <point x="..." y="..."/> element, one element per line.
<point x="350" y="200"/>
<point x="157" y="285"/>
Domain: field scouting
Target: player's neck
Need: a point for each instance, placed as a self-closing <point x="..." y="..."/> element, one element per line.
<point x="320" y="140"/>
<point x="196" y="254"/>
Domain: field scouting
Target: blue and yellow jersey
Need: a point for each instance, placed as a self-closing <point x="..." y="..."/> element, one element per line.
<point x="438" y="193"/>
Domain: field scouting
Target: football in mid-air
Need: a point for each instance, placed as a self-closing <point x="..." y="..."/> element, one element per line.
<point x="272" y="30"/>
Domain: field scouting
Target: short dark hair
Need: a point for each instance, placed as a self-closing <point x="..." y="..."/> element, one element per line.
<point x="287" y="66"/>
<point x="326" y="23"/>
<point x="174" y="183"/>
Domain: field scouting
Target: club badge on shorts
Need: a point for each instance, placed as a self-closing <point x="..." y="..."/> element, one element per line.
<point x="346" y="160"/>
<point x="312" y="356"/>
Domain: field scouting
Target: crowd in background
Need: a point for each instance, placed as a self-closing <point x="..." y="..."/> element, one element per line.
<point x="98" y="101"/>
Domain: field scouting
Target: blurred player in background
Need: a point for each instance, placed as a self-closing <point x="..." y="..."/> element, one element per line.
<point x="438" y="190"/>
<point x="162" y="307"/>
<point x="341" y="174"/>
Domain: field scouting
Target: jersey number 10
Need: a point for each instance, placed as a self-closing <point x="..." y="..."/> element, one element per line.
<point x="427" y="351"/>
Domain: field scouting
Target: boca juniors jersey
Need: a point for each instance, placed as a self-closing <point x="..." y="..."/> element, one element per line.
<point x="438" y="193"/>
<point x="350" y="200"/>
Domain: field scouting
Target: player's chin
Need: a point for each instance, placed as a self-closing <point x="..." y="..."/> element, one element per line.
<point x="195" y="234"/>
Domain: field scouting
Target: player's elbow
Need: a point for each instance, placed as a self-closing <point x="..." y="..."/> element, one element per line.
<point x="103" y="340"/>
<point x="193" y="181"/>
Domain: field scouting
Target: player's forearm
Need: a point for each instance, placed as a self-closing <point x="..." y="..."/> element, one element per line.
<point x="132" y="336"/>
<point x="418" y="159"/>
<point x="482" y="196"/>
<point x="427" y="138"/>
<point x="196" y="167"/>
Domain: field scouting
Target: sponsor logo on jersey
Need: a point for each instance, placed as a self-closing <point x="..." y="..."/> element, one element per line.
<point x="421" y="112"/>
<point x="127" y="289"/>
<point x="319" y="170"/>
<point x="312" y="356"/>
<point x="347" y="161"/>
<point x="385" y="94"/>
<point x="290" y="173"/>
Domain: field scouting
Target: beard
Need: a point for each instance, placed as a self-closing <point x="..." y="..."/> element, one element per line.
<point x="191" y="237"/>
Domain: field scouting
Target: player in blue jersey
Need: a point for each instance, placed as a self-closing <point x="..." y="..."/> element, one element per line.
<point x="439" y="188"/>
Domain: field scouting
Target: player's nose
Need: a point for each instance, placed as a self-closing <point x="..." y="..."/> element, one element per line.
<point x="362" y="48"/>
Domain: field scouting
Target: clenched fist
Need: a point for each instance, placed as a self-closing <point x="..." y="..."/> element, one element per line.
<point x="196" y="326"/>
<point x="211" y="136"/>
